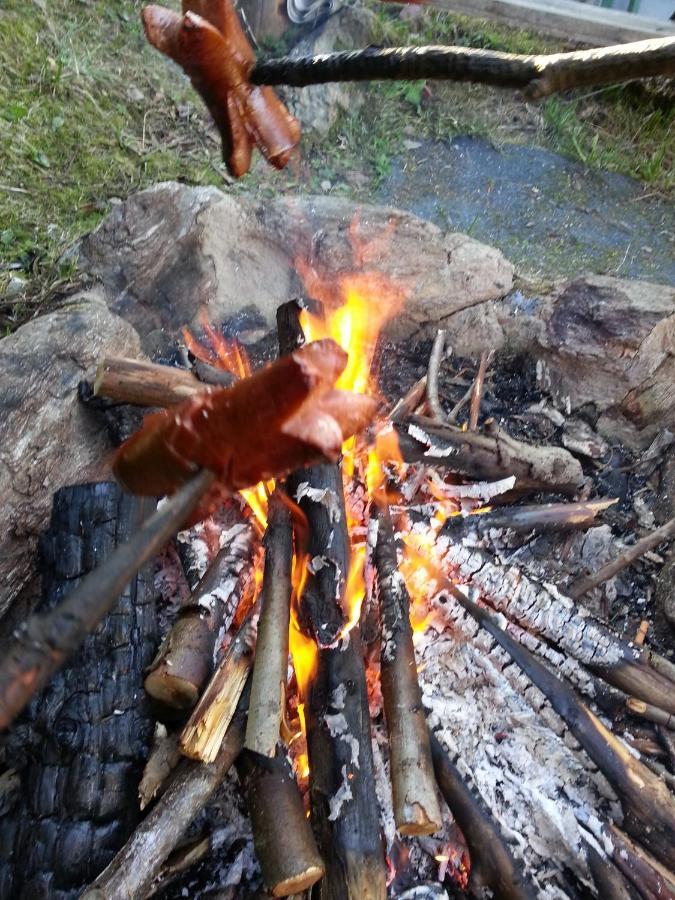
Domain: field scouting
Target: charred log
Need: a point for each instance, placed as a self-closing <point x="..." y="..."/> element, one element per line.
<point x="416" y="809"/>
<point x="46" y="640"/>
<point x="493" y="868"/>
<point x="490" y="455"/>
<point x="85" y="737"/>
<point x="610" y="883"/>
<point x="282" y="835"/>
<point x="185" y="660"/>
<point x="139" y="862"/>
<point x="649" y="878"/>
<point x="540" y="518"/>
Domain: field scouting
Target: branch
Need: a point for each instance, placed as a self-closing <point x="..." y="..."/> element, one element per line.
<point x="144" y="383"/>
<point x="432" y="376"/>
<point x="44" y="642"/>
<point x="538" y="76"/>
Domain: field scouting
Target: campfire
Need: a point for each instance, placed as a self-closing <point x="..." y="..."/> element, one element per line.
<point x="411" y="706"/>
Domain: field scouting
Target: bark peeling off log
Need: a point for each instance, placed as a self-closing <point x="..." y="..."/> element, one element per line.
<point x="86" y="735"/>
<point x="544" y="611"/>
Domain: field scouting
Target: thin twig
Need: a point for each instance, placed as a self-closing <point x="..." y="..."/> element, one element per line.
<point x="630" y="554"/>
<point x="477" y="391"/>
<point x="459" y="406"/>
<point x="432" y="376"/>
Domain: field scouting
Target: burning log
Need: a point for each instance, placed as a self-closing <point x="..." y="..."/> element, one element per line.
<point x="648" y="805"/>
<point x="490" y="455"/>
<point x="538" y="76"/>
<point x="630" y="554"/>
<point x="540" y="518"/>
<point x="144" y="383"/>
<point x="268" y="689"/>
<point x="134" y="868"/>
<point x="493" y="868"/>
<point x="344" y="805"/>
<point x="91" y="726"/>
<point x="282" y="834"/>
<point x="185" y="660"/>
<point x="416" y="809"/>
<point x="44" y="642"/>
<point x="545" y="612"/>
<point x="206" y="728"/>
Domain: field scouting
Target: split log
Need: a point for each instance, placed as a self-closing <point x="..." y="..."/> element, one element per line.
<point x="44" y="642"/>
<point x="539" y="76"/>
<point x="648" y="805"/>
<point x="139" y="862"/>
<point x="206" y="728"/>
<point x="540" y="518"/>
<point x="344" y="805"/>
<point x="282" y="834"/>
<point x="268" y="689"/>
<point x="547" y="613"/>
<point x="493" y="868"/>
<point x="416" y="809"/>
<point x="144" y="383"/>
<point x="630" y="554"/>
<point x="185" y="660"/>
<point x="492" y="454"/>
<point x="79" y="748"/>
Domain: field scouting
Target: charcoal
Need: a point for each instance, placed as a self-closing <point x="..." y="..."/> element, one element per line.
<point x="82" y="742"/>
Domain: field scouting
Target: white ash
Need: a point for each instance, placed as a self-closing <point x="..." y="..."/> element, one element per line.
<point x="343" y="793"/>
<point x="338" y="727"/>
<point x="324" y="496"/>
<point x="338" y="697"/>
<point x="316" y="563"/>
<point x="479" y="490"/>
<point x="433" y="451"/>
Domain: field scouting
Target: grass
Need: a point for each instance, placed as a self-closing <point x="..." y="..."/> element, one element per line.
<point x="89" y="112"/>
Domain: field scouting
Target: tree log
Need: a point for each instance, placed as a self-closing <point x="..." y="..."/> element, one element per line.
<point x="185" y="660"/>
<point x="268" y="689"/>
<point x="493" y="868"/>
<point x="206" y="728"/>
<point x="44" y="642"/>
<point x="138" y="863"/>
<point x="648" y="805"/>
<point x="144" y="383"/>
<point x="282" y="834"/>
<point x="416" y="809"/>
<point x="492" y="454"/>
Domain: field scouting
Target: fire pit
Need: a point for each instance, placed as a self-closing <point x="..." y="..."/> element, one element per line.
<point x="432" y="707"/>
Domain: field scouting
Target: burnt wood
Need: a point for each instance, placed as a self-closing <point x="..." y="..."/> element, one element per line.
<point x="85" y="737"/>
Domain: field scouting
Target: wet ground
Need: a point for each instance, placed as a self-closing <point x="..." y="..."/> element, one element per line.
<point x="551" y="216"/>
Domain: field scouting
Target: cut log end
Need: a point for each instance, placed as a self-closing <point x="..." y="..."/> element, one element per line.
<point x="416" y="821"/>
<point x="298" y="883"/>
<point x="171" y="690"/>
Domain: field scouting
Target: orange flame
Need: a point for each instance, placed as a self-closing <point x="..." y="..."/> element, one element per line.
<point x="355" y="589"/>
<point x="218" y="351"/>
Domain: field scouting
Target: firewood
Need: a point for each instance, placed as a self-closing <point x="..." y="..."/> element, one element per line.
<point x="183" y="857"/>
<point x="268" y="689"/>
<point x="144" y="383"/>
<point x="477" y="391"/>
<point x="345" y="815"/>
<point x="416" y="809"/>
<point x="163" y="759"/>
<point x="206" y="728"/>
<point x="630" y="554"/>
<point x="185" y="660"/>
<point x="652" y="713"/>
<point x="44" y="642"/>
<point x="493" y="867"/>
<point x="537" y="517"/>
<point x="610" y="883"/>
<point x="134" y="868"/>
<point x="406" y="406"/>
<point x="651" y="880"/>
<point x="648" y="805"/>
<point x="549" y="614"/>
<point x="490" y="455"/>
<point x="282" y="834"/>
<point x="432" y="376"/>
<point x="539" y="76"/>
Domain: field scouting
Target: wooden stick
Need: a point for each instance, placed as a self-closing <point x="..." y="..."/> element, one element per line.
<point x="282" y="834"/>
<point x="477" y="392"/>
<point x="648" y="805"/>
<point x="629" y="555"/>
<point x="538" y="76"/>
<point x="490" y="455"/>
<point x="651" y="880"/>
<point x="493" y="868"/>
<point x="44" y="642"/>
<point x="610" y="883"/>
<point x="652" y="713"/>
<point x="407" y="405"/>
<point x="138" y="863"/>
<point x="432" y="376"/>
<point x="144" y="383"/>
<point x="416" y="809"/>
<point x="538" y="517"/>
<point x="268" y="690"/>
<point x="164" y="757"/>
<point x="185" y="661"/>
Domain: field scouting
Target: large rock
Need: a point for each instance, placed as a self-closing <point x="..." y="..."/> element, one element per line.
<point x="171" y="249"/>
<point x="47" y="438"/>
